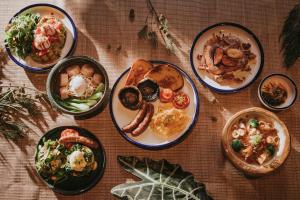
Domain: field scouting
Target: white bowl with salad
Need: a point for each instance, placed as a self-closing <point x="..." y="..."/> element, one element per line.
<point x="78" y="86"/>
<point x="39" y="35"/>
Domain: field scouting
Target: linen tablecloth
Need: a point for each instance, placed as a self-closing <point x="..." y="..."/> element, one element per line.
<point x="103" y="23"/>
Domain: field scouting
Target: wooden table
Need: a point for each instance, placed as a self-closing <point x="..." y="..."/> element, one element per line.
<point x="103" y="23"/>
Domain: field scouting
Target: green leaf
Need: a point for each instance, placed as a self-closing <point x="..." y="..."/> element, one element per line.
<point x="271" y="149"/>
<point x="237" y="145"/>
<point x="159" y="180"/>
<point x="253" y="123"/>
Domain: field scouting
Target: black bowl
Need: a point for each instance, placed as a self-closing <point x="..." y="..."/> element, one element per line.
<point x="77" y="185"/>
<point x="52" y="80"/>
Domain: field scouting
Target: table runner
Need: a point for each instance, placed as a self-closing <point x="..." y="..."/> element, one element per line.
<point x="105" y="23"/>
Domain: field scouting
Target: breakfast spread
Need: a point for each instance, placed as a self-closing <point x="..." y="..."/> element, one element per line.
<point x="163" y="82"/>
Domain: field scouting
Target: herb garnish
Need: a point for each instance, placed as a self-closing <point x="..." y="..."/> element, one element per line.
<point x="15" y="102"/>
<point x="148" y="32"/>
<point x="19" y="34"/>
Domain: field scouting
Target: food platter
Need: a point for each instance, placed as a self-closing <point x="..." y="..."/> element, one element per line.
<point x="72" y="184"/>
<point x="261" y="146"/>
<point x="226" y="57"/>
<point x="148" y="139"/>
<point x="46" y="12"/>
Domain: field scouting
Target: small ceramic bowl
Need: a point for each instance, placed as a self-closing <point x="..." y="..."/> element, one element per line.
<point x="256" y="170"/>
<point x="287" y="83"/>
<point x="52" y="82"/>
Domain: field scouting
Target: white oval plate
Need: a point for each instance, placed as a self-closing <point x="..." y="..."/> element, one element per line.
<point x="148" y="140"/>
<point x="246" y="36"/>
<point x="71" y="38"/>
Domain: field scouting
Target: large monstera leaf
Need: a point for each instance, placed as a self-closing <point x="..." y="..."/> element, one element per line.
<point x="159" y="180"/>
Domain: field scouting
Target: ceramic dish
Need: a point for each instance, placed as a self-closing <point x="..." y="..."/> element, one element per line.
<point x="70" y="39"/>
<point x="76" y="184"/>
<point x="54" y="90"/>
<point x="246" y="75"/>
<point x="279" y="153"/>
<point x="148" y="139"/>
<point x="271" y="85"/>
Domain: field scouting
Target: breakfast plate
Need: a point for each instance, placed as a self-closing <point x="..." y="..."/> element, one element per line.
<point x="39" y="35"/>
<point x="70" y="160"/>
<point x="156" y="120"/>
<point x="256" y="141"/>
<point x="226" y="57"/>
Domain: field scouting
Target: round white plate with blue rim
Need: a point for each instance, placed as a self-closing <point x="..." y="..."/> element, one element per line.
<point x="246" y="36"/>
<point x="148" y="139"/>
<point x="71" y="38"/>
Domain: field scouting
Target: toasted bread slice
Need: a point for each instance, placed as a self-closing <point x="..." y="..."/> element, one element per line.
<point x="166" y="76"/>
<point x="137" y="71"/>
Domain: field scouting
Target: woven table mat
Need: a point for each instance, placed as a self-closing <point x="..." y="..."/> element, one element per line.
<point x="103" y="23"/>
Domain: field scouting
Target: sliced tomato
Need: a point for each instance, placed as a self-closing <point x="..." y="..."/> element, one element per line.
<point x="166" y="95"/>
<point x="68" y="132"/>
<point x="181" y="100"/>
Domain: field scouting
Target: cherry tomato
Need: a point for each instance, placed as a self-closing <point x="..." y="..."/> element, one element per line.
<point x="181" y="100"/>
<point x="166" y="95"/>
<point x="68" y="132"/>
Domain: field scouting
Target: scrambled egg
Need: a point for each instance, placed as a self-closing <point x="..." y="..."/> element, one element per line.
<point x="168" y="120"/>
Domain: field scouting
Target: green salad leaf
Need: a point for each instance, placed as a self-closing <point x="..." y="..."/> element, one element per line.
<point x="237" y="145"/>
<point x="159" y="180"/>
<point x="19" y="34"/>
<point x="253" y="123"/>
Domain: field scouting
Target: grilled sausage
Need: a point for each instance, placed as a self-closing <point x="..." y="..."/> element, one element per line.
<point x="145" y="123"/>
<point x="79" y="139"/>
<point x="137" y="120"/>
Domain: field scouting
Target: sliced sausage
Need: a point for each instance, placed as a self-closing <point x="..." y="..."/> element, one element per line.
<point x="137" y="120"/>
<point x="79" y="139"/>
<point x="145" y="123"/>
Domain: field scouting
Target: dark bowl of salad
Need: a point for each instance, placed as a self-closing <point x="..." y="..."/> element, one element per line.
<point x="70" y="160"/>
